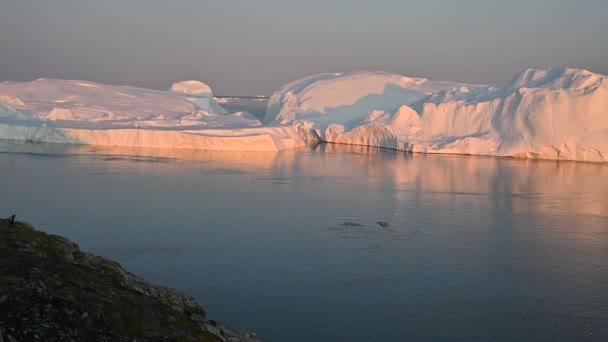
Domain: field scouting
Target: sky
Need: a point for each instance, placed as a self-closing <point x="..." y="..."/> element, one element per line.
<point x="253" y="47"/>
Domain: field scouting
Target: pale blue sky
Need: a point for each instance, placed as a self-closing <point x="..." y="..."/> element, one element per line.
<point x="253" y="47"/>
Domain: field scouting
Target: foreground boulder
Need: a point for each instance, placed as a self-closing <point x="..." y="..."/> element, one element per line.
<point x="50" y="290"/>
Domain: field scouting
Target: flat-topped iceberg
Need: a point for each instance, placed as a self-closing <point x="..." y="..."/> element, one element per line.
<point x="81" y="112"/>
<point x="541" y="113"/>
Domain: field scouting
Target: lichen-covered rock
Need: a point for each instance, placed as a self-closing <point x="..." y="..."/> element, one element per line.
<point x="52" y="291"/>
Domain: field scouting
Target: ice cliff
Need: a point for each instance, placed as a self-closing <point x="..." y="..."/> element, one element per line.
<point x="541" y="113"/>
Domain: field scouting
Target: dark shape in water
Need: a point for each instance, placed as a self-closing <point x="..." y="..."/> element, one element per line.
<point x="382" y="223"/>
<point x="351" y="224"/>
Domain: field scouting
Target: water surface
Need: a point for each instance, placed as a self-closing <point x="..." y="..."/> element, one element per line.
<point x="332" y="242"/>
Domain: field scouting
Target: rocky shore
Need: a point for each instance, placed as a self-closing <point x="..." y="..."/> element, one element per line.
<point x="50" y="290"/>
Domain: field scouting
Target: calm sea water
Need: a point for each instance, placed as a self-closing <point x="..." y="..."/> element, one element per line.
<point x="338" y="243"/>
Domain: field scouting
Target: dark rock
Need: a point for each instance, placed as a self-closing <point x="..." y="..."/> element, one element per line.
<point x="52" y="291"/>
<point x="198" y="319"/>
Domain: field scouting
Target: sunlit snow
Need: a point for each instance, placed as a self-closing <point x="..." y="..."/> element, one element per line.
<point x="541" y="113"/>
<point x="547" y="114"/>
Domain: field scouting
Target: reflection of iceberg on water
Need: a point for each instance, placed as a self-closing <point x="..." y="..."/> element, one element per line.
<point x="246" y="160"/>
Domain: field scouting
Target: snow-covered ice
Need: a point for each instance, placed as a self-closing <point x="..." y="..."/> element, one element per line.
<point x="186" y="116"/>
<point x="541" y="113"/>
<point x="339" y="98"/>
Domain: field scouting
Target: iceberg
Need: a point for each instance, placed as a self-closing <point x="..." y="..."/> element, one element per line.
<point x="558" y="114"/>
<point x="82" y="112"/>
<point x="342" y="97"/>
